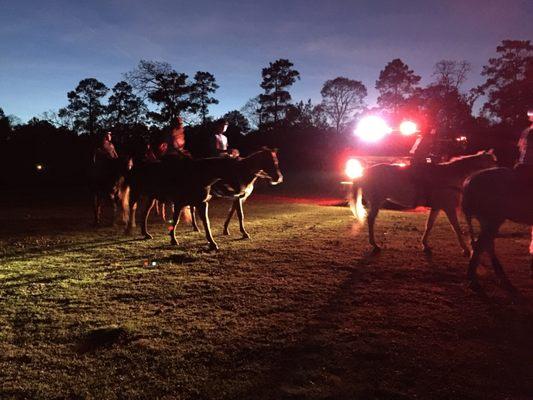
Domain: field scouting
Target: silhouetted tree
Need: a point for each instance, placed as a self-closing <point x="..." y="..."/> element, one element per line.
<point x="445" y="108"/>
<point x="85" y="108"/>
<point x="144" y="78"/>
<point x="238" y="120"/>
<point x="124" y="107"/>
<point x="5" y="126"/>
<point x="277" y="78"/>
<point x="396" y="84"/>
<point x="204" y="84"/>
<point x="509" y="84"/>
<point x="341" y="99"/>
<point x="252" y="111"/>
<point x="450" y="73"/>
<point x="163" y="86"/>
<point x="305" y="115"/>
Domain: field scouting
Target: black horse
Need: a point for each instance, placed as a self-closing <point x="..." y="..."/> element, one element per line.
<point x="107" y="184"/>
<point x="184" y="182"/>
<point x="493" y="196"/>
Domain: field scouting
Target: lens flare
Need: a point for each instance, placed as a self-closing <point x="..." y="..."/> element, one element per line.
<point x="354" y="169"/>
<point x="372" y="129"/>
<point x="408" y="128"/>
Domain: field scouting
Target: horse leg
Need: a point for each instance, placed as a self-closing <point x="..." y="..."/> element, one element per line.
<point x="454" y="222"/>
<point x="96" y="208"/>
<point x="132" y="204"/>
<point x="176" y="221"/>
<point x="482" y="243"/>
<point x="193" y="219"/>
<point x="477" y="250"/>
<point x="204" y="215"/>
<point x="146" y="213"/>
<point x="240" y="214"/>
<point x="230" y="215"/>
<point x="531" y="252"/>
<point x="498" y="267"/>
<point x="115" y="209"/>
<point x="371" y="219"/>
<point x="433" y="214"/>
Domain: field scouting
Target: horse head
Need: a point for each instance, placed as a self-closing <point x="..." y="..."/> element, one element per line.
<point x="269" y="165"/>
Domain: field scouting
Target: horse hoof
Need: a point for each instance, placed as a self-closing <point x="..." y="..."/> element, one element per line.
<point x="246" y="235"/>
<point x="173" y="242"/>
<point x="466" y="253"/>
<point x="226" y="232"/>
<point x="213" y="247"/>
<point x="427" y="250"/>
<point x="147" y="236"/>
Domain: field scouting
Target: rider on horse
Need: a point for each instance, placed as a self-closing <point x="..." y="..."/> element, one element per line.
<point x="217" y="142"/>
<point x="422" y="166"/>
<point x="173" y="143"/>
<point x="524" y="167"/>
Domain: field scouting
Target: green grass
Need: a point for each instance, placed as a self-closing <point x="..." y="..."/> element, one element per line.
<point x="300" y="311"/>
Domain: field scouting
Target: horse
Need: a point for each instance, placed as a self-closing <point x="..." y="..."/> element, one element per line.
<point x="107" y="183"/>
<point x="184" y="182"/>
<point x="262" y="164"/>
<point x="493" y="196"/>
<point x="396" y="184"/>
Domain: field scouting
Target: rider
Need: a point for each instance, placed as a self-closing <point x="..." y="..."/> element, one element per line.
<point x="524" y="167"/>
<point x="173" y="143"/>
<point x="422" y="166"/>
<point x="217" y="141"/>
<point x="105" y="150"/>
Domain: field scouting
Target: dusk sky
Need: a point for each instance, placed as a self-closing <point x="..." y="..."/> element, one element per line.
<point x="47" y="47"/>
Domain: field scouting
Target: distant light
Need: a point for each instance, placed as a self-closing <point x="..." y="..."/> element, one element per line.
<point x="154" y="263"/>
<point x="400" y="164"/>
<point x="39" y="167"/>
<point x="372" y="129"/>
<point x="354" y="169"/>
<point x="408" y="128"/>
<point x="461" y="139"/>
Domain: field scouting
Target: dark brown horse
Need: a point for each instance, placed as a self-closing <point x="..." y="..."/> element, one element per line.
<point x="493" y="196"/>
<point x="396" y="184"/>
<point x="107" y="184"/>
<point x="262" y="164"/>
<point x="184" y="182"/>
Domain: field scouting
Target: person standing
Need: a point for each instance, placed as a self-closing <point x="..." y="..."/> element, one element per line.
<point x="524" y="167"/>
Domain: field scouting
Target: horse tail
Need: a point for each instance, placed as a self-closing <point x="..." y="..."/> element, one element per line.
<point x="356" y="202"/>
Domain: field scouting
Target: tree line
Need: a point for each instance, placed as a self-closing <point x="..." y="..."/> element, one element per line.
<point x="153" y="94"/>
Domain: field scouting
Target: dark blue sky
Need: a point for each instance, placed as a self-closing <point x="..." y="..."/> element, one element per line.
<point x="47" y="47"/>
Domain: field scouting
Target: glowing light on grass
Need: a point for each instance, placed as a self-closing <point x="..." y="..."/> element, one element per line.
<point x="39" y="167"/>
<point x="372" y="129"/>
<point x="353" y="169"/>
<point x="408" y="128"/>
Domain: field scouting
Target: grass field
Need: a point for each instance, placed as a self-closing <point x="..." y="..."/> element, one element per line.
<point x="298" y="312"/>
